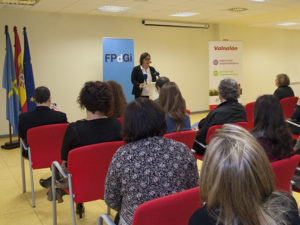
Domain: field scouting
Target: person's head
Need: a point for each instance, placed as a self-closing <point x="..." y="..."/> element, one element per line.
<point x="236" y="177"/>
<point x="145" y="59"/>
<point x="282" y="80"/>
<point x="143" y="118"/>
<point x="96" y="96"/>
<point x="42" y="95"/>
<point x="160" y="82"/>
<point x="119" y="100"/>
<point x="228" y="89"/>
<point x="172" y="103"/>
<point x="269" y="123"/>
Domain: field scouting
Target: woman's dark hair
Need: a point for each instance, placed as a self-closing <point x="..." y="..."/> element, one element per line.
<point x="143" y="118"/>
<point x="143" y="56"/>
<point x="270" y="125"/>
<point x="283" y="80"/>
<point x="96" y="96"/>
<point x="119" y="100"/>
<point x="41" y="94"/>
<point x="161" y="81"/>
<point x="172" y="103"/>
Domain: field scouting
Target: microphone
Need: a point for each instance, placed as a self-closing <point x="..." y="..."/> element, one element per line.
<point x="156" y="73"/>
<point x="145" y="77"/>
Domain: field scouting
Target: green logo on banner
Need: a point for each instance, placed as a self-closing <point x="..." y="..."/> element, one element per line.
<point x="216" y="73"/>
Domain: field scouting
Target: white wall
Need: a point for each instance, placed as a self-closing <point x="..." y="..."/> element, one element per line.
<point x="66" y="51"/>
<point x="266" y="53"/>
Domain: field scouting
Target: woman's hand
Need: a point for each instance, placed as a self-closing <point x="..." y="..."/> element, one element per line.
<point x="141" y="85"/>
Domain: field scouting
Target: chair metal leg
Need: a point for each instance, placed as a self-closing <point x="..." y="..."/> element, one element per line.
<point x="53" y="189"/>
<point x="31" y="179"/>
<point x="23" y="170"/>
<point x="71" y="199"/>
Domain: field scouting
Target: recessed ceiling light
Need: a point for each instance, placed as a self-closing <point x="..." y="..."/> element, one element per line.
<point x="111" y="8"/>
<point x="258" y="0"/>
<point x="238" y="9"/>
<point x="287" y="24"/>
<point x="184" y="14"/>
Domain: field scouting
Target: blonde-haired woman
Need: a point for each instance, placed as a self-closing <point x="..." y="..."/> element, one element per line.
<point x="237" y="184"/>
<point x="173" y="104"/>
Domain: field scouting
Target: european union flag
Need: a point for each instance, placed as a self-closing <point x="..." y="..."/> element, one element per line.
<point x="28" y="74"/>
<point x="10" y="84"/>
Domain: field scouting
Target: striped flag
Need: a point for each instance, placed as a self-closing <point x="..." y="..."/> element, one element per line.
<point x="28" y="74"/>
<point x="20" y="72"/>
<point x="10" y="84"/>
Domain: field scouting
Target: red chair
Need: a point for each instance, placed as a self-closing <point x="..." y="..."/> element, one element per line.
<point x="187" y="137"/>
<point x="295" y="136"/>
<point x="288" y="105"/>
<point x="87" y="168"/>
<point x="121" y="120"/>
<point x="284" y="170"/>
<point x="212" y="130"/>
<point x="175" y="209"/>
<point x="44" y="146"/>
<point x="249" y="111"/>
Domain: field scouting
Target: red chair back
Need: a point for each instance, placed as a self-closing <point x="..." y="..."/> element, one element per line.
<point x="121" y="120"/>
<point x="212" y="130"/>
<point x="249" y="111"/>
<point x="187" y="137"/>
<point x="288" y="105"/>
<point x="284" y="170"/>
<point x="45" y="144"/>
<point x="175" y="209"/>
<point x="88" y="166"/>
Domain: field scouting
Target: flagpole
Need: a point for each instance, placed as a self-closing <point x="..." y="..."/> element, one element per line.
<point x="11" y="144"/>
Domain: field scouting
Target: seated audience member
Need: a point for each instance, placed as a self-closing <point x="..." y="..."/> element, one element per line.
<point x="282" y="81"/>
<point x="96" y="98"/>
<point x="42" y="114"/>
<point x="119" y="100"/>
<point x="149" y="166"/>
<point x="173" y="104"/>
<point x="270" y="128"/>
<point x="296" y="118"/>
<point x="237" y="184"/>
<point x="158" y="85"/>
<point x="228" y="111"/>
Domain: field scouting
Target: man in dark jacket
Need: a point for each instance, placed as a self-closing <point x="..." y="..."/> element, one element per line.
<point x="42" y="114"/>
<point x="229" y="111"/>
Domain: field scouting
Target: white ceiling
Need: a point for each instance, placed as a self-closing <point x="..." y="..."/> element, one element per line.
<point x="266" y="14"/>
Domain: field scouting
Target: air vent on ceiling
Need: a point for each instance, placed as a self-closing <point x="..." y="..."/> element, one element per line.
<point x="19" y="2"/>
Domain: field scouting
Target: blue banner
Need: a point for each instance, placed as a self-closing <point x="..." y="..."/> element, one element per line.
<point x="10" y="84"/>
<point x="118" y="63"/>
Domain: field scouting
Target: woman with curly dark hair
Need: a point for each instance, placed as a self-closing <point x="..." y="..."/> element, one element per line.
<point x="119" y="100"/>
<point x="96" y="98"/>
<point x="270" y="128"/>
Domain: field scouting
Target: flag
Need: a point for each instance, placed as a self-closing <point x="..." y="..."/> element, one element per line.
<point x="28" y="74"/>
<point x="20" y="72"/>
<point x="10" y="84"/>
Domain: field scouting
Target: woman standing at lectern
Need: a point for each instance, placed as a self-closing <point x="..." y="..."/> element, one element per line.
<point x="141" y="75"/>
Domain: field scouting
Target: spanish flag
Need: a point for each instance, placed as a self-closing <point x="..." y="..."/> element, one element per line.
<point x="20" y="72"/>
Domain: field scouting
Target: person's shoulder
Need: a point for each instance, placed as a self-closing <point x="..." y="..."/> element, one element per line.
<point x="201" y="216"/>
